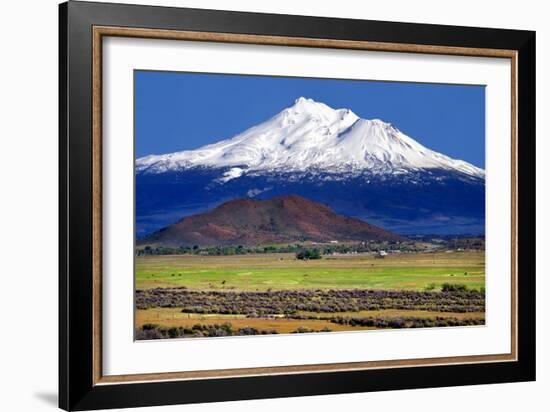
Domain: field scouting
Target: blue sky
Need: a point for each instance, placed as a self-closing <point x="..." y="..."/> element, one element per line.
<point x="178" y="111"/>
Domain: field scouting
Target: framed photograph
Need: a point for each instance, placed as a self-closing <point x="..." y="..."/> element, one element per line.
<point x="257" y="205"/>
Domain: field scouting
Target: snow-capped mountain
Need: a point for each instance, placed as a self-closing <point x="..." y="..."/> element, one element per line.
<point x="361" y="168"/>
<point x="311" y="136"/>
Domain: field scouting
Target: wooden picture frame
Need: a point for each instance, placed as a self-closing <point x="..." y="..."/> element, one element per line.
<point x="83" y="26"/>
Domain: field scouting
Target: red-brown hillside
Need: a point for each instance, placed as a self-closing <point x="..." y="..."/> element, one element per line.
<point x="281" y="219"/>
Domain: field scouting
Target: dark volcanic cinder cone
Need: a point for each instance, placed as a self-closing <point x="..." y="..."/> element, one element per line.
<point x="280" y="219"/>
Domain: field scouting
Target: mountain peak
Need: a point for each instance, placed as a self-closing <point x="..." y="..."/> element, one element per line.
<point x="302" y="100"/>
<point x="307" y="106"/>
<point x="310" y="135"/>
<point x="307" y="102"/>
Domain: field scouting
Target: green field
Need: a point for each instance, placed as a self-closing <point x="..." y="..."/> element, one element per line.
<point x="278" y="271"/>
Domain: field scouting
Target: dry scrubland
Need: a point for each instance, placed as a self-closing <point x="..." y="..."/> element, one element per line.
<point x="190" y="295"/>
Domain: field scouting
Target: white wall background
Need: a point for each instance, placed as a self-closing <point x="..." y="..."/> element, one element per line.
<point x="28" y="203"/>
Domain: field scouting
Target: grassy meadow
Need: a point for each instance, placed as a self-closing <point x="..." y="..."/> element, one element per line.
<point x="205" y="296"/>
<point x="281" y="271"/>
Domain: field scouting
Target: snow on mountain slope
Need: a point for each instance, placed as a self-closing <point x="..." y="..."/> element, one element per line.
<point x="311" y="136"/>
